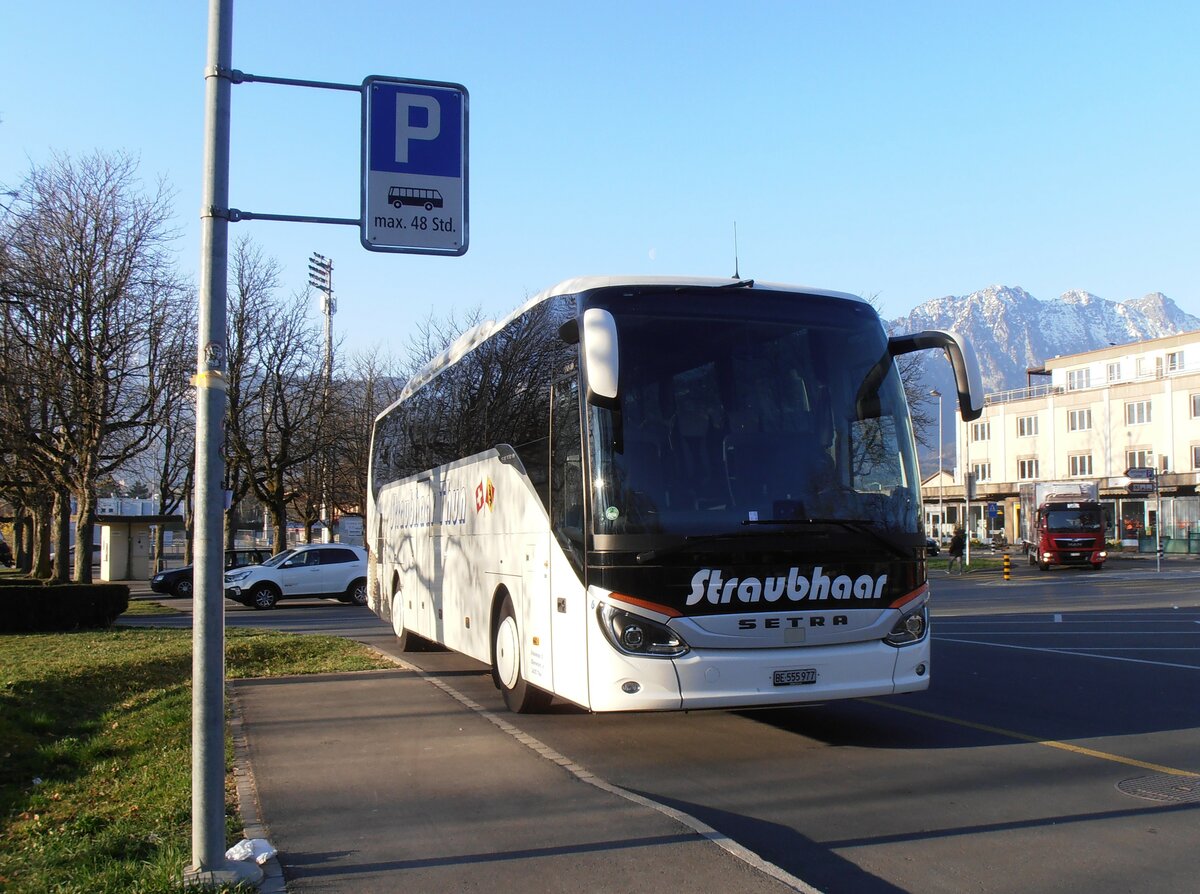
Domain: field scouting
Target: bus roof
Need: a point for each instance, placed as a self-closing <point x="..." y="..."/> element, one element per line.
<point x="463" y="345"/>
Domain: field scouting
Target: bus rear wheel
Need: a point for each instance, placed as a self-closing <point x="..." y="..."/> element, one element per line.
<point x="406" y="640"/>
<point x="521" y="696"/>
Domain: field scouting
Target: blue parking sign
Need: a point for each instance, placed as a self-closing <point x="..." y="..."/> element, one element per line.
<point x="414" y="190"/>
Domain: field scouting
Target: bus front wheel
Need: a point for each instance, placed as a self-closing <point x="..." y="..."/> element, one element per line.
<point x="521" y="696"/>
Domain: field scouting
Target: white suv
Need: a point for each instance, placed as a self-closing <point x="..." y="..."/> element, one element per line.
<point x="318" y="569"/>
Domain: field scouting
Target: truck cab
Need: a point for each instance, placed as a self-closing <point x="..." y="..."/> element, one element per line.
<point x="1070" y="532"/>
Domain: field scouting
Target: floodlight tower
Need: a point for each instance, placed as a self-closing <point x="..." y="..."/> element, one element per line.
<point x="320" y="277"/>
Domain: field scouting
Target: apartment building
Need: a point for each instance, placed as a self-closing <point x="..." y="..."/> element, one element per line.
<point x="1093" y="416"/>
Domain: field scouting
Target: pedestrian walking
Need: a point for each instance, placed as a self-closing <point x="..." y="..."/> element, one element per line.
<point x="957" y="544"/>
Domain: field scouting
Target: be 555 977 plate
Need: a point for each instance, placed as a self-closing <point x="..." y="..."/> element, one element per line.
<point x="798" y="677"/>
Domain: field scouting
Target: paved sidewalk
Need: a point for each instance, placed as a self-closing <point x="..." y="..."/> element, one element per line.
<point x="381" y="782"/>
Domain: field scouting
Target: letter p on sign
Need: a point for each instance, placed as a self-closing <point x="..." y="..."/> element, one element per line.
<point x="410" y="126"/>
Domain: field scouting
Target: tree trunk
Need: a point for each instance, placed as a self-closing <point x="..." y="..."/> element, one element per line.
<point x="62" y="536"/>
<point x="22" y="539"/>
<point x="84" y="527"/>
<point x="159" y="543"/>
<point x="233" y="521"/>
<point x="39" y="541"/>
<point x="189" y="524"/>
<point x="279" y="526"/>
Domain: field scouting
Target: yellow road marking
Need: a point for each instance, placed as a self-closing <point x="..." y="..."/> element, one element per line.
<point x="1049" y="743"/>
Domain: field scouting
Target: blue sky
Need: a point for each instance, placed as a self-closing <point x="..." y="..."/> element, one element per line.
<point x="905" y="150"/>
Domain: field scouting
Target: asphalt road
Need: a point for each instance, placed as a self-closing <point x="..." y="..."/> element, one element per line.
<point x="1057" y="749"/>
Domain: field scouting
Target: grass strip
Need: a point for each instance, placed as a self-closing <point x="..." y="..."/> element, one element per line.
<point x="95" y="751"/>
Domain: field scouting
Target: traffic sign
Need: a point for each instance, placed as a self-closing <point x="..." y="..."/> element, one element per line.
<point x="992" y="510"/>
<point x="414" y="166"/>
<point x="1142" y="472"/>
<point x="1141" y="487"/>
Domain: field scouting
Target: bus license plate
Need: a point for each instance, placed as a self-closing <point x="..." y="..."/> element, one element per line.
<point x="796" y="677"/>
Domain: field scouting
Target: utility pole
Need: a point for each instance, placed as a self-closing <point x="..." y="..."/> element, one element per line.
<point x="941" y="484"/>
<point x="320" y="277"/>
<point x="209" y="866"/>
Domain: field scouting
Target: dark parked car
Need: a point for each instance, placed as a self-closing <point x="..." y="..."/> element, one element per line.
<point x="178" y="581"/>
<point x="931" y="547"/>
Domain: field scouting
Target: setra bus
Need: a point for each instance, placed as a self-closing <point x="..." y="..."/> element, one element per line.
<point x="662" y="493"/>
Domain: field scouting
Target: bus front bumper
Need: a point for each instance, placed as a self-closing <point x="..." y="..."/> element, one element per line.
<point x="742" y="678"/>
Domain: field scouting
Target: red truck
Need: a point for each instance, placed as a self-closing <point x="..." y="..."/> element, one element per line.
<point x="1062" y="523"/>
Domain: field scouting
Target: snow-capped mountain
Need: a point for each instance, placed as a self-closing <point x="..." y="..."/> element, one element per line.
<point x="1012" y="331"/>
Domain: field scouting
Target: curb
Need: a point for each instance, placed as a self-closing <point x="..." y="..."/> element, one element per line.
<point x="247" y="796"/>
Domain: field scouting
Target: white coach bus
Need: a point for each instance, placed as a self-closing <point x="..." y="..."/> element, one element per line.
<point x="662" y="494"/>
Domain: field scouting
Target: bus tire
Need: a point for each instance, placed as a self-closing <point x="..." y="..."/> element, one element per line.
<point x="406" y="640"/>
<point x="521" y="696"/>
<point x="264" y="596"/>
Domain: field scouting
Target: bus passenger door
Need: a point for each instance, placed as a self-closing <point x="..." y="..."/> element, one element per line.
<point x="568" y="598"/>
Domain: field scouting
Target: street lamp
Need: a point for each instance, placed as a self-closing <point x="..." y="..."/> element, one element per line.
<point x="941" y="482"/>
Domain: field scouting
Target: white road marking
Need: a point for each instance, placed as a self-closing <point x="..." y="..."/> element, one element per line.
<point x="1072" y="653"/>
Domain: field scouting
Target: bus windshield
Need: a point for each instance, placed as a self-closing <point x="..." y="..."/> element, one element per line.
<point x="751" y="408"/>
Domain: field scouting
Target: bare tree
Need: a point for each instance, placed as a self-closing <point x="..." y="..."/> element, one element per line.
<point x="88" y="254"/>
<point x="371" y="384"/>
<point x="916" y="390"/>
<point x="276" y="410"/>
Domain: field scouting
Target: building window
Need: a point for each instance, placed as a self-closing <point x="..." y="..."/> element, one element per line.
<point x="981" y="431"/>
<point x="1114" y="371"/>
<point x="1027" y="469"/>
<point x="1080" y="464"/>
<point x="1175" y="361"/>
<point x="1027" y="426"/>
<point x="1196" y="457"/>
<point x="1139" y="459"/>
<point x="982" y="471"/>
<point x="1078" y="378"/>
<point x="1147" y="366"/>
<point x="1081" y="420"/>
<point x="1137" y="412"/>
<point x="1195" y="406"/>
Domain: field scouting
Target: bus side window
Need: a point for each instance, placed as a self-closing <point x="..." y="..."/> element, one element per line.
<point x="566" y="469"/>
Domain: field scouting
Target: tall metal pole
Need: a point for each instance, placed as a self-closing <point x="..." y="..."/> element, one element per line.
<point x="209" y="865"/>
<point x="966" y="490"/>
<point x="320" y="277"/>
<point x="1157" y="524"/>
<point x="941" y="483"/>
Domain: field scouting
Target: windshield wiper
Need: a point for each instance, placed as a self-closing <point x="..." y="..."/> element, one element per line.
<point x="856" y="525"/>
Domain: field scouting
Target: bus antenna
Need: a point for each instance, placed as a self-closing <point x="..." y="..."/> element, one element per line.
<point x="736" y="275"/>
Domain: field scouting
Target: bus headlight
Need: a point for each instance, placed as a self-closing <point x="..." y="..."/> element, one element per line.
<point x="911" y="628"/>
<point x="635" y="635"/>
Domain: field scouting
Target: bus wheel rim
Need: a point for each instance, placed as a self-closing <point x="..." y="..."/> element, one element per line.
<point x="506" y="653"/>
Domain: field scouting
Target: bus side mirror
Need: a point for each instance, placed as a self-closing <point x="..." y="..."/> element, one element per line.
<point x="961" y="355"/>
<point x="599" y="352"/>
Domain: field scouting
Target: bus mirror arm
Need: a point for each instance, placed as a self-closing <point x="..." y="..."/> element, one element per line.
<point x="967" y="379"/>
<point x="569" y="331"/>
